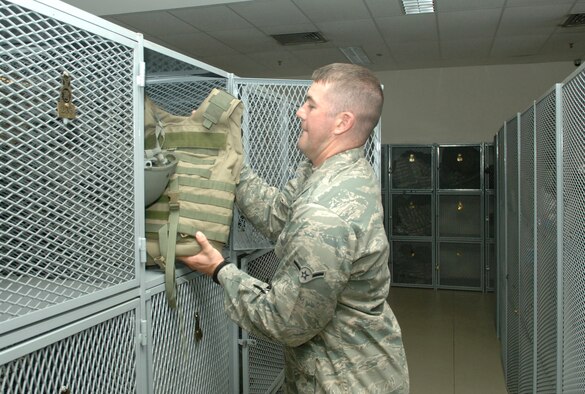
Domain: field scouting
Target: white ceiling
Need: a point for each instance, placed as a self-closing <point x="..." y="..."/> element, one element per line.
<point x="235" y="35"/>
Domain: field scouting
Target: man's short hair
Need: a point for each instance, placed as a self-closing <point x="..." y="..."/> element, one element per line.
<point x="355" y="89"/>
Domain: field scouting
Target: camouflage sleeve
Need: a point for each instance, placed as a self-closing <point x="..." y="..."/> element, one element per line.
<point x="315" y="251"/>
<point x="265" y="206"/>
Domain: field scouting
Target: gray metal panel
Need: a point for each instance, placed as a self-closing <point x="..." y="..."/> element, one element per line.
<point x="546" y="244"/>
<point x="67" y="223"/>
<point x="573" y="243"/>
<point x="100" y="357"/>
<point x="526" y="251"/>
<point x="270" y="131"/>
<point x="512" y="273"/>
<point x="265" y="359"/>
<point x="182" y="363"/>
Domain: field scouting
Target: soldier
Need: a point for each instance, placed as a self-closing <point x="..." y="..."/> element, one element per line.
<point x="327" y="300"/>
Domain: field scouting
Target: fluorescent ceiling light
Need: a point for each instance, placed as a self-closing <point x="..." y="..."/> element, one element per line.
<point x="418" y="6"/>
<point x="356" y="55"/>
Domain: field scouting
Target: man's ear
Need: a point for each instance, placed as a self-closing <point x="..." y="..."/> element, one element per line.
<point x="344" y="121"/>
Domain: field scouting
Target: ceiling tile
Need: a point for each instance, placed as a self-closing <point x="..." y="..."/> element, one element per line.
<point x="532" y="3"/>
<point x="518" y="46"/>
<point x="212" y="18"/>
<point x="532" y="20"/>
<point x="464" y="5"/>
<point x="263" y="13"/>
<point x="156" y="23"/>
<point x="245" y="40"/>
<point x="351" y="32"/>
<point x="409" y="28"/>
<point x="332" y="10"/>
<point x="476" y="24"/>
<point x="466" y="48"/>
<point x="198" y="45"/>
<point x="418" y="52"/>
<point x="384" y="8"/>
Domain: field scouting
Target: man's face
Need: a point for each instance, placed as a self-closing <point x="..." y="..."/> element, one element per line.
<point x="317" y="123"/>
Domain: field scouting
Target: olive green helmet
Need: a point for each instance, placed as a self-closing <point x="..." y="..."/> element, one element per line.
<point x="158" y="169"/>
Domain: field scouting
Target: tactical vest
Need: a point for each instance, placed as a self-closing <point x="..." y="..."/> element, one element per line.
<point x="200" y="193"/>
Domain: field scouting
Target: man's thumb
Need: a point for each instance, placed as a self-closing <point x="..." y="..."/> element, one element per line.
<point x="201" y="238"/>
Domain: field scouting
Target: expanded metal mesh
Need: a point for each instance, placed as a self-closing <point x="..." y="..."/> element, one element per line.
<point x="526" y="251"/>
<point x="270" y="130"/>
<point x="460" y="216"/>
<point x="266" y="359"/>
<point x="101" y="359"/>
<point x="459" y="167"/>
<point x="546" y="244"/>
<point x="181" y="96"/>
<point x="411" y="167"/>
<point x="460" y="264"/>
<point x="573" y="97"/>
<point x="67" y="191"/>
<point x="512" y="351"/>
<point x="183" y="361"/>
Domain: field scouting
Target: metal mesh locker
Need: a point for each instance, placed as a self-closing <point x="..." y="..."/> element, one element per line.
<point x="270" y="130"/>
<point x="573" y="244"/>
<point x="460" y="216"/>
<point x="264" y="363"/>
<point x="190" y="345"/>
<point x="526" y="251"/>
<point x="512" y="275"/>
<point x="411" y="215"/>
<point x="67" y="193"/>
<point x="546" y="243"/>
<point x="100" y="357"/>
<point x="459" y="167"/>
<point x="460" y="264"/>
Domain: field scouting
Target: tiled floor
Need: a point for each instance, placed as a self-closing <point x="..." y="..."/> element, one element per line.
<point x="450" y="340"/>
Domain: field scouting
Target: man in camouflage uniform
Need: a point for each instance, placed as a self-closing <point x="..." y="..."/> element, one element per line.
<point x="327" y="300"/>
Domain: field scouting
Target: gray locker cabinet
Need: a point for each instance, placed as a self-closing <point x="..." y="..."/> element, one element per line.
<point x="98" y="353"/>
<point x="68" y="213"/>
<point x="436" y="216"/>
<point x="410" y="213"/>
<point x="540" y="242"/>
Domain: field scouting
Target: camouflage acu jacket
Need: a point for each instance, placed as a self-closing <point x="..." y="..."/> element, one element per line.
<point x="327" y="300"/>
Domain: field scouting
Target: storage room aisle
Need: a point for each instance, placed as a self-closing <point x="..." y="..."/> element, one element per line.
<point x="450" y="339"/>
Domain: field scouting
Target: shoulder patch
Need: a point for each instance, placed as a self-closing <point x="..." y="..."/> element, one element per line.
<point x="306" y="274"/>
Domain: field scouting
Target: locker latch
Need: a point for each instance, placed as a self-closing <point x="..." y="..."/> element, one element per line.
<point x="65" y="107"/>
<point x="247" y="342"/>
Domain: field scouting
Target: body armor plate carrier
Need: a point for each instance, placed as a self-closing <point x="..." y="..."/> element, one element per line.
<point x="200" y="193"/>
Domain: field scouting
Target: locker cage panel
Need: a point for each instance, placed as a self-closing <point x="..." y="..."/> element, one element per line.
<point x="460" y="216"/>
<point x="573" y="243"/>
<point x="460" y="264"/>
<point x="412" y="262"/>
<point x="459" y="167"/>
<point x="99" y="358"/>
<point x="512" y="254"/>
<point x="190" y="345"/>
<point x="265" y="359"/>
<point x="411" y="168"/>
<point x="67" y="193"/>
<point x="412" y="214"/>
<point x="546" y="310"/>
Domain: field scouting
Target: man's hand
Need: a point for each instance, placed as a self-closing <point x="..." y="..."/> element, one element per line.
<point x="205" y="261"/>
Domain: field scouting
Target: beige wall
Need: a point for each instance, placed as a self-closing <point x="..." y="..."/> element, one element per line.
<point x="461" y="104"/>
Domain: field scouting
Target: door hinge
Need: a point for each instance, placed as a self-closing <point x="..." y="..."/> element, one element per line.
<point x="143" y="335"/>
<point x="142" y="249"/>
